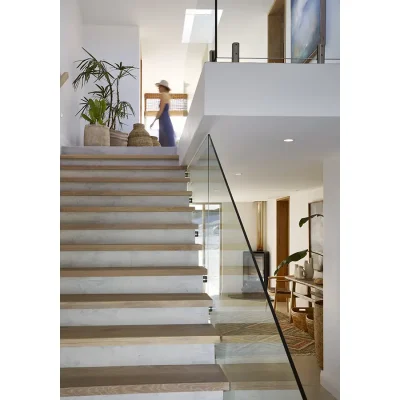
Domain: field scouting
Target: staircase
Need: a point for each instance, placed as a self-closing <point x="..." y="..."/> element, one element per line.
<point x="134" y="318"/>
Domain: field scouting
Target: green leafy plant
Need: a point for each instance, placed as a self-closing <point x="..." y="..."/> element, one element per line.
<point x="96" y="112"/>
<point x="300" y="254"/>
<point x="107" y="78"/>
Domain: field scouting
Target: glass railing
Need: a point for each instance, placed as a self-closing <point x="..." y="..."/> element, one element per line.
<point x="252" y="353"/>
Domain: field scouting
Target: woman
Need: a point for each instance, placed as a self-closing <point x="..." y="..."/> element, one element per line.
<point x="166" y="130"/>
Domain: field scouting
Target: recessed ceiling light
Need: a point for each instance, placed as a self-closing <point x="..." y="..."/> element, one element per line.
<point x="238" y="174"/>
<point x="289" y="140"/>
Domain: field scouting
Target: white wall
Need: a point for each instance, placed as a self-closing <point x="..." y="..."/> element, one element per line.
<point x="70" y="50"/>
<point x="330" y="376"/>
<point x="332" y="48"/>
<point x="117" y="44"/>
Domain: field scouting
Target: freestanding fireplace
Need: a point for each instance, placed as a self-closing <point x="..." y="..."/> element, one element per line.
<point x="251" y="280"/>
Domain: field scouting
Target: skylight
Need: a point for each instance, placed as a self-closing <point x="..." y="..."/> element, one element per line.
<point x="199" y="26"/>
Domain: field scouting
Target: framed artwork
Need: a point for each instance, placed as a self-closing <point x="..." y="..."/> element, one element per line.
<point x="308" y="26"/>
<point x="316" y="234"/>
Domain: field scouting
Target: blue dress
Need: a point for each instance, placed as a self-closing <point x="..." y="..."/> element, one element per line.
<point x="166" y="130"/>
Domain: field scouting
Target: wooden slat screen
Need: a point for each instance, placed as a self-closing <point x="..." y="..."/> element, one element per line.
<point x="178" y="107"/>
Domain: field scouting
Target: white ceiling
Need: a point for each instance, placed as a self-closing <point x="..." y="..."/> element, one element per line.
<point x="270" y="167"/>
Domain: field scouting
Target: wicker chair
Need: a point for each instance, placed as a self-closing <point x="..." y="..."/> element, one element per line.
<point x="283" y="290"/>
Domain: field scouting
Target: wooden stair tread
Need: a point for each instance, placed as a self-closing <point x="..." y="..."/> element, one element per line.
<point x="118" y="157"/>
<point x="105" y="179"/>
<point x="123" y="167"/>
<point x="131" y="247"/>
<point x="105" y="227"/>
<point x="137" y="334"/>
<point x="125" y="193"/>
<point x="131" y="271"/>
<point x="142" y="379"/>
<point x="97" y="209"/>
<point x="260" y="376"/>
<point x="163" y="300"/>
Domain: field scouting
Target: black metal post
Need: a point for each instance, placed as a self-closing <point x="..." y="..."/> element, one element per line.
<point x="216" y="30"/>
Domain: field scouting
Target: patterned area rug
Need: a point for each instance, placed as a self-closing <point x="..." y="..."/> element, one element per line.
<point x="299" y="342"/>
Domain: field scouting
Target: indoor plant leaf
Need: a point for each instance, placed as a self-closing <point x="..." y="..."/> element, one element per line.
<point x="306" y="219"/>
<point x="293" y="257"/>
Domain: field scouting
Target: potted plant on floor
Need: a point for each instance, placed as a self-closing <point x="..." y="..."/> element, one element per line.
<point x="96" y="132"/>
<point x="107" y="78"/>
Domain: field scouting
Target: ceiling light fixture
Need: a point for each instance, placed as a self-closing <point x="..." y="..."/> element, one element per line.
<point x="190" y="16"/>
<point x="289" y="140"/>
<point x="238" y="174"/>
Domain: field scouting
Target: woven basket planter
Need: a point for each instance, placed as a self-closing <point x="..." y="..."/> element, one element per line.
<point x="139" y="137"/>
<point x="156" y="143"/>
<point x="96" y="135"/>
<point x="299" y="317"/>
<point x="118" y="138"/>
<point x="310" y="324"/>
<point x="319" y="332"/>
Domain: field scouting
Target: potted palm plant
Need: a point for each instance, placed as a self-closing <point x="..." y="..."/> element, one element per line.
<point x="96" y="132"/>
<point x="107" y="78"/>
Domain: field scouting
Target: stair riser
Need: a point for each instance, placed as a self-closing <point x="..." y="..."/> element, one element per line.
<point x="132" y="284"/>
<point x="261" y="395"/>
<point x="128" y="236"/>
<point x="130" y="258"/>
<point x="128" y="217"/>
<point x="156" y="396"/>
<point x="134" y="316"/>
<point x="124" y="173"/>
<point x="113" y="356"/>
<point x="138" y="163"/>
<point x="148" y="201"/>
<point x="124" y="150"/>
<point x="154" y="186"/>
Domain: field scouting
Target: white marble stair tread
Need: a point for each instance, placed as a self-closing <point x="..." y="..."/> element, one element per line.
<point x="79" y="272"/>
<point x="148" y="379"/>
<point x="156" y="300"/>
